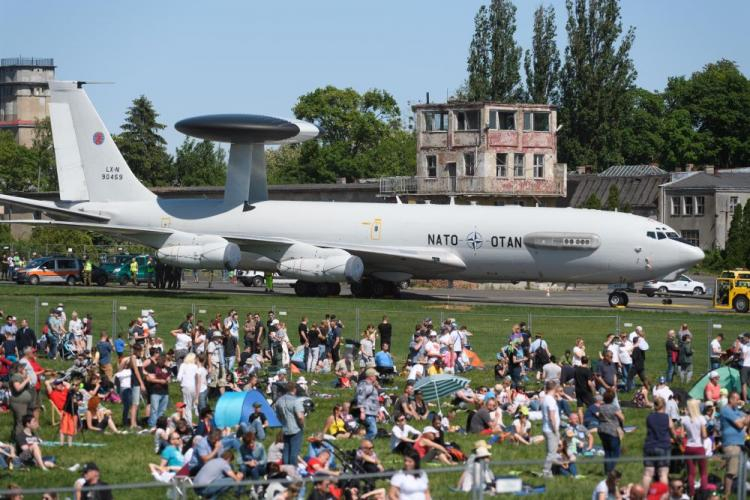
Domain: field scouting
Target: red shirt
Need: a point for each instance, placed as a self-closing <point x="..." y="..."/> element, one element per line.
<point x="58" y="397"/>
<point x="5" y="365"/>
<point x="712" y="392"/>
<point x="311" y="463"/>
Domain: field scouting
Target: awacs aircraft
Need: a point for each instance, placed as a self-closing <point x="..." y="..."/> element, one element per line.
<point x="372" y="246"/>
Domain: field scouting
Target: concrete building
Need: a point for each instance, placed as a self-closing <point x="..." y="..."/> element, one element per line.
<point x="485" y="152"/>
<point x="701" y="205"/>
<point x="24" y="95"/>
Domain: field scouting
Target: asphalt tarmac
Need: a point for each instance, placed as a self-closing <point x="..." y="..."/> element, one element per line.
<point x="585" y="297"/>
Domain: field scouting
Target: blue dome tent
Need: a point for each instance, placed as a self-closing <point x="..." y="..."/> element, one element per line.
<point x="235" y="407"/>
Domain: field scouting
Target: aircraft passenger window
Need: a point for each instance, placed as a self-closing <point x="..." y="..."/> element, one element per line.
<point x="651" y="235"/>
<point x="661" y="236"/>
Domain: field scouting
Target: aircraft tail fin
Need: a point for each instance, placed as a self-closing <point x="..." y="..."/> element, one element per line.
<point x="89" y="165"/>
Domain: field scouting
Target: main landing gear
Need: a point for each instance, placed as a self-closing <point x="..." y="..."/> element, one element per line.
<point x="618" y="298"/>
<point x="308" y="289"/>
<point x="374" y="288"/>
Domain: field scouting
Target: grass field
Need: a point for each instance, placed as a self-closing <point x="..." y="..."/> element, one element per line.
<point x="124" y="459"/>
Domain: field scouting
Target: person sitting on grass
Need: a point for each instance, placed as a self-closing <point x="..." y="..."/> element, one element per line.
<point x="216" y="477"/>
<point x="521" y="428"/>
<point x="99" y="418"/>
<point x="29" y="445"/>
<point x="429" y="450"/>
<point x="319" y="464"/>
<point x="172" y="459"/>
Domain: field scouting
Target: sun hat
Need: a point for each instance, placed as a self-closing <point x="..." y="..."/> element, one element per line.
<point x="481" y="444"/>
<point x="482" y="453"/>
<point x="714" y="374"/>
<point x="430" y="429"/>
<point x="371" y="372"/>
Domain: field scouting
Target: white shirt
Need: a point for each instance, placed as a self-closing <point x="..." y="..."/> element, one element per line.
<point x="76" y="326"/>
<point x="416" y="371"/>
<point x="125" y="377"/>
<point x="200" y="344"/>
<point x="615" y="350"/>
<point x="715" y="348"/>
<point x="745" y="355"/>
<point x="642" y="344"/>
<point x="663" y="392"/>
<point x="538" y="343"/>
<point x="186" y="376"/>
<point x="624" y="352"/>
<point x="182" y="342"/>
<point x="410" y="487"/>
<point x="632" y="336"/>
<point x="458" y="345"/>
<point x="600" y="488"/>
<point x="397" y="434"/>
<point x="202" y="376"/>
<point x="549" y="405"/>
<point x="578" y="353"/>
<point x="693" y="431"/>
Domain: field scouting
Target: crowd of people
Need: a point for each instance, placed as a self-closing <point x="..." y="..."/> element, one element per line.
<point x="577" y="398"/>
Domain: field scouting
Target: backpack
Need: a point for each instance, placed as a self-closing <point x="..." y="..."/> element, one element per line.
<point x="541" y="357"/>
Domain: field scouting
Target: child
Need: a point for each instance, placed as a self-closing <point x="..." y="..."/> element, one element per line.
<point x="69" y="418"/>
<point x="119" y="347"/>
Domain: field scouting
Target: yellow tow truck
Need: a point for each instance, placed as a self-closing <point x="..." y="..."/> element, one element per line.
<point x="732" y="290"/>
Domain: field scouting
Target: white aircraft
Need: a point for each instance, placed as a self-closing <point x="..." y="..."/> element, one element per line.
<point x="372" y="246"/>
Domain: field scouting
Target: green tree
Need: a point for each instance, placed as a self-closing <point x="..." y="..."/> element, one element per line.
<point x="282" y="164"/>
<point x="361" y="136"/>
<point x="478" y="64"/>
<point x="717" y="99"/>
<point x="542" y="62"/>
<point x="595" y="81"/>
<point x="44" y="153"/>
<point x="57" y="240"/>
<point x="613" y="198"/>
<point x="142" y="146"/>
<point x="494" y="57"/>
<point x="736" y="240"/>
<point x="642" y="134"/>
<point x="18" y="165"/>
<point x="199" y="163"/>
<point x="592" y="201"/>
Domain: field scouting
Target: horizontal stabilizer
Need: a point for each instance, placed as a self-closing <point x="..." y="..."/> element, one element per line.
<point x="49" y="208"/>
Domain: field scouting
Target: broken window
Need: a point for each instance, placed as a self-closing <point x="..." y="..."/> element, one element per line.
<point x="436" y="121"/>
<point x="432" y="166"/>
<point x="469" y="164"/>
<point x="518" y="165"/>
<point x="539" y="166"/>
<point x="467" y="120"/>
<point x="501" y="164"/>
<point x="502" y="120"/>
<point x="536" y="121"/>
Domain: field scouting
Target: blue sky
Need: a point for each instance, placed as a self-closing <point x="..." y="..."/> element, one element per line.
<point x="247" y="56"/>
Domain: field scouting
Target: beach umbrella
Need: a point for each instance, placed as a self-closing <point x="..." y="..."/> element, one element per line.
<point x="439" y="386"/>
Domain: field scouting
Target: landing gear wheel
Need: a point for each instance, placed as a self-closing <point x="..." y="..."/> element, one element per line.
<point x="302" y="289"/>
<point x="617" y="299"/>
<point x="741" y="304"/>
<point x="334" y="288"/>
<point x="379" y="289"/>
<point x="322" y="289"/>
<point x="362" y="289"/>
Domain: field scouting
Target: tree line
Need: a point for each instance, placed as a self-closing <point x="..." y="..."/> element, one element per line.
<point x="605" y="118"/>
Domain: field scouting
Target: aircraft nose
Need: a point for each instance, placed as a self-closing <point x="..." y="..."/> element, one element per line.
<point x="691" y="255"/>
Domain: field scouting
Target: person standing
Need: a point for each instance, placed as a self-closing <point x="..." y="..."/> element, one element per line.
<point x="187" y="376"/>
<point x="369" y="403"/>
<point x="25" y="336"/>
<point x="695" y="428"/>
<point x="584" y="384"/>
<point x="385" y="330"/>
<point x="291" y="413"/>
<point x="716" y="351"/>
<point x="150" y="271"/>
<point x="104" y="349"/>
<point x="611" y="420"/>
<point x="657" y="446"/>
<point x="550" y="426"/>
<point x="158" y="377"/>
<point x="640" y="346"/>
<point x="673" y="353"/>
<point x="88" y="266"/>
<point x="304" y="340"/>
<point x="134" y="271"/>
<point x="734" y="425"/>
<point x="685" y="359"/>
<point x="624" y="353"/>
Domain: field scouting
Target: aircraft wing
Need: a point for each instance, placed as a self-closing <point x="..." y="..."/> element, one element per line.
<point x="411" y="260"/>
<point x="113" y="229"/>
<point x="50" y="209"/>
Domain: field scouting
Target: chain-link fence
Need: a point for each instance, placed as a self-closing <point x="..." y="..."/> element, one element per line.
<point x="475" y="479"/>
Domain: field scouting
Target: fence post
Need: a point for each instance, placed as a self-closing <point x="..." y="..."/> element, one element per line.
<point x="530" y="322"/>
<point x="36" y="314"/>
<point x="114" y="317"/>
<point x="356" y="315"/>
<point x="709" y="334"/>
<point x="742" y="476"/>
<point x="617" y="323"/>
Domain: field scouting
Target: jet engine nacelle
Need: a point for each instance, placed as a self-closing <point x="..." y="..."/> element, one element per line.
<point x="215" y="253"/>
<point x="333" y="269"/>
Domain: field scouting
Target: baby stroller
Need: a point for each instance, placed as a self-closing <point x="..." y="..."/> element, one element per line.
<point x="351" y="466"/>
<point x="68" y="347"/>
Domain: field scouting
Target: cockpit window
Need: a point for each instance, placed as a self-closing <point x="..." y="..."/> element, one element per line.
<point x="651" y="235"/>
<point x="673" y="236"/>
<point x="661" y="235"/>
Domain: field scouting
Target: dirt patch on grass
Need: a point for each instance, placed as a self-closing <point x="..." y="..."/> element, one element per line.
<point x="452" y="307"/>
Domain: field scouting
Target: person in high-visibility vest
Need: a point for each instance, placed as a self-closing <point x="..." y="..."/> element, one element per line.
<point x="150" y="271"/>
<point x="134" y="271"/>
<point x="269" y="282"/>
<point x="87" y="268"/>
